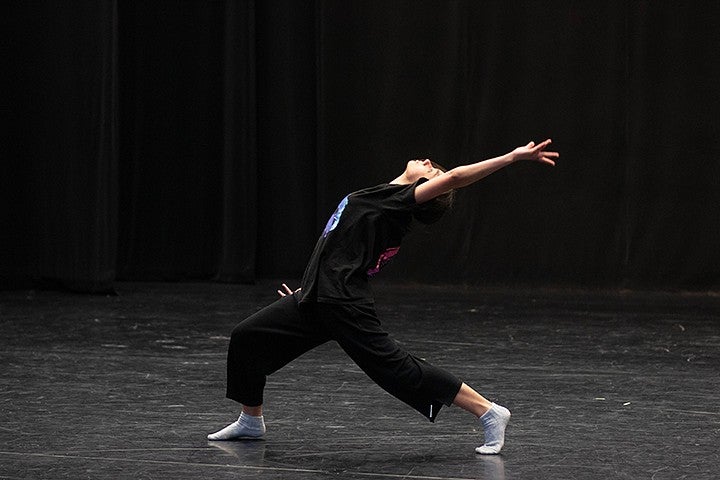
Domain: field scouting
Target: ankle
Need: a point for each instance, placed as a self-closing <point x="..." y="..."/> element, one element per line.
<point x="252" y="411"/>
<point x="483" y="408"/>
<point x="471" y="401"/>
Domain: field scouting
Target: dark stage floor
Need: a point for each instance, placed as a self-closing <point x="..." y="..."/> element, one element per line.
<point x="601" y="385"/>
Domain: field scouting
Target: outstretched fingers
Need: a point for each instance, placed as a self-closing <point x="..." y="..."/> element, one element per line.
<point x="543" y="156"/>
<point x="542" y="145"/>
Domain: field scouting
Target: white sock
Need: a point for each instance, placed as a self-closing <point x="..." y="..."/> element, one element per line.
<point x="246" y="427"/>
<point x="494" y="422"/>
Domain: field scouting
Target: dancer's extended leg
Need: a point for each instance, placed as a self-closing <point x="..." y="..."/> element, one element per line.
<point x="260" y="345"/>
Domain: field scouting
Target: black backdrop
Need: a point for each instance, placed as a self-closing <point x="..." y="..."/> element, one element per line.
<point x="176" y="140"/>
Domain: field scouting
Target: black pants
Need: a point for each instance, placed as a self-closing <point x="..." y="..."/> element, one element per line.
<point x="284" y="330"/>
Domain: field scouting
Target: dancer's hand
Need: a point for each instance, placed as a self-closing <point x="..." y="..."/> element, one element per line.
<point x="286" y="291"/>
<point x="536" y="153"/>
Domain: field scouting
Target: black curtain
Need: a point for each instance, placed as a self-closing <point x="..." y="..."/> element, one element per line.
<point x="210" y="140"/>
<point x="60" y="153"/>
<point x="188" y="156"/>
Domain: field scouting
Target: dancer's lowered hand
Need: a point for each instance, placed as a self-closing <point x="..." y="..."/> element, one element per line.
<point x="286" y="291"/>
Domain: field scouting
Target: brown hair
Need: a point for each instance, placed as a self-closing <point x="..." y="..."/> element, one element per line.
<point x="432" y="211"/>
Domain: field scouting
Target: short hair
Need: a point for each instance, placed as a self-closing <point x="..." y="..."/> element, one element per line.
<point x="431" y="211"/>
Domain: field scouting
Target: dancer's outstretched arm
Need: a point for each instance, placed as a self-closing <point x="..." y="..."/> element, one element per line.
<point x="465" y="175"/>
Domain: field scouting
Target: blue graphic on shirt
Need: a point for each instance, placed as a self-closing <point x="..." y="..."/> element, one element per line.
<point x="335" y="219"/>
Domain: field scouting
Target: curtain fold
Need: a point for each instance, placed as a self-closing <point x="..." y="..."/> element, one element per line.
<point x="238" y="239"/>
<point x="64" y="103"/>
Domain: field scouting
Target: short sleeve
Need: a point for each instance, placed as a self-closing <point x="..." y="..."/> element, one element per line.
<point x="404" y="198"/>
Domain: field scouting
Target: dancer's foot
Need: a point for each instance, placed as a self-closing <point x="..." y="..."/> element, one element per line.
<point x="245" y="428"/>
<point x="494" y="422"/>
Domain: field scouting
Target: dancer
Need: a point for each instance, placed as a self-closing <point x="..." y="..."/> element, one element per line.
<point x="334" y="302"/>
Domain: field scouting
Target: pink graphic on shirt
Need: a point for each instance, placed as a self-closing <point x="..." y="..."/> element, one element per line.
<point x="384" y="258"/>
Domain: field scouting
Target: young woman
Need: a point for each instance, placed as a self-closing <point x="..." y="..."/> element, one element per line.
<point x="335" y="302"/>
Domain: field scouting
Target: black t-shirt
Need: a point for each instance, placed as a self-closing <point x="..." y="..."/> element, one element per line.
<point x="362" y="235"/>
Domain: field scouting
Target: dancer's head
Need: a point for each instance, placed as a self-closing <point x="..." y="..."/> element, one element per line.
<point x="429" y="212"/>
<point x="422" y="168"/>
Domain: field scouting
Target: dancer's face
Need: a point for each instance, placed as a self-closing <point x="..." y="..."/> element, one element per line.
<point x="421" y="168"/>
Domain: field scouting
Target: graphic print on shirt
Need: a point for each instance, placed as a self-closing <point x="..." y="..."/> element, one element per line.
<point x="332" y="223"/>
<point x="384" y="258"/>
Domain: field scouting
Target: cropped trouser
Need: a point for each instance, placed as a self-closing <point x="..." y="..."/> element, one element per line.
<point x="284" y="330"/>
